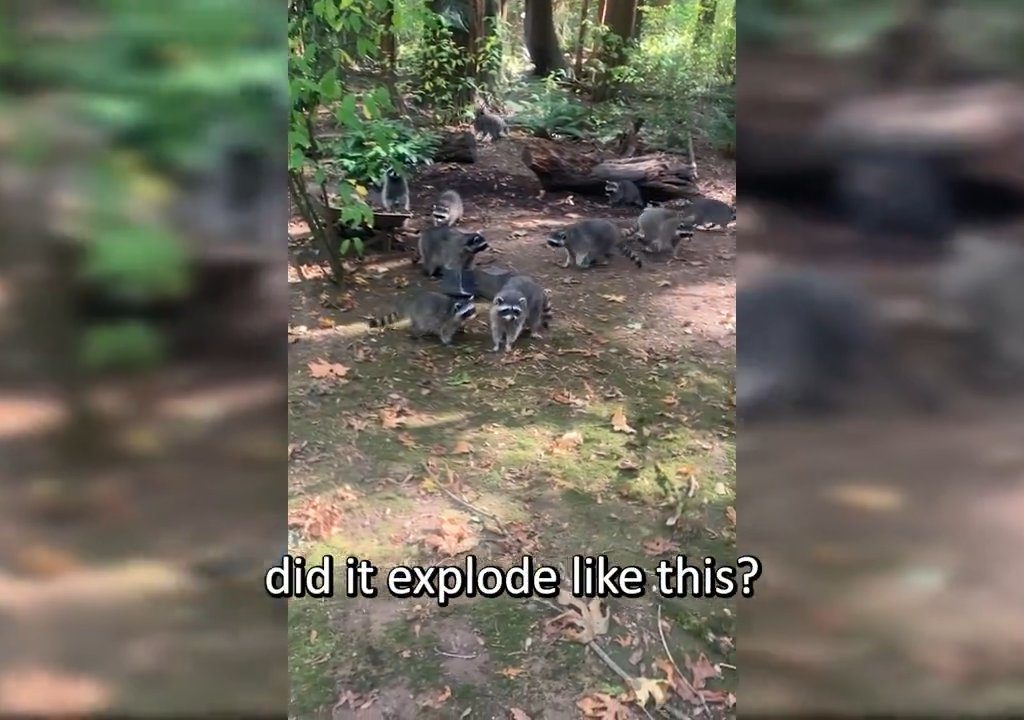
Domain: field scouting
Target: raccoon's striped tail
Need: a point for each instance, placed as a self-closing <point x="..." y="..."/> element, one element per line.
<point x="632" y="254"/>
<point x="384" y="320"/>
<point x="546" y="312"/>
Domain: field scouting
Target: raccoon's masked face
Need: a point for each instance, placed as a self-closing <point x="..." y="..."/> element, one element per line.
<point x="610" y="188"/>
<point x="476" y="243"/>
<point x="684" y="232"/>
<point x="464" y="310"/>
<point x="508" y="310"/>
<point x="557" y="239"/>
<point x="439" y="213"/>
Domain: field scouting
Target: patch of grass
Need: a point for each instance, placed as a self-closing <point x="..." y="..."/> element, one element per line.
<point x="313" y="655"/>
<point x="505" y="623"/>
<point x="410" y="656"/>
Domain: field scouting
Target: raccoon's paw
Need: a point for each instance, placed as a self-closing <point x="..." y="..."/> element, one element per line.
<point x="496" y="348"/>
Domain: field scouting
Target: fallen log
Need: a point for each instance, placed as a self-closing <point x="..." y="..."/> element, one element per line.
<point x="456" y="147"/>
<point x="659" y="177"/>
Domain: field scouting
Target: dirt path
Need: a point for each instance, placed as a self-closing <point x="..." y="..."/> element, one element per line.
<point x="525" y="438"/>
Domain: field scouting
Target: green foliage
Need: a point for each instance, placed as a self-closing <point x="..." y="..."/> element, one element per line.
<point x="367" y="149"/>
<point x="548" y="109"/>
<point x="129" y="345"/>
<point x="442" y="71"/>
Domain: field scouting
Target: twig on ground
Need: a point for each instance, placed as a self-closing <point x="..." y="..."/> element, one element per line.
<point x="672" y="660"/>
<point x="456" y="655"/>
<point x="474" y="508"/>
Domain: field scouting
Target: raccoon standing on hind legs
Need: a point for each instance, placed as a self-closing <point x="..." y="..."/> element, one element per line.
<point x="448" y="209"/>
<point x="430" y="313"/>
<point x="394" y="191"/>
<point x="591" y="241"/>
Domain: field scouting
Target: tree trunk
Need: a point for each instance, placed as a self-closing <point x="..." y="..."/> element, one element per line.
<point x="585" y="7"/>
<point x="705" y="22"/>
<point x="658" y="177"/>
<point x="541" y="39"/>
<point x="621" y="19"/>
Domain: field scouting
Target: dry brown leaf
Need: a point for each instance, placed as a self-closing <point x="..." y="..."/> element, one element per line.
<point x="325" y="323"/>
<point x="390" y="418"/>
<point x="588" y="622"/>
<point x="517" y="714"/>
<point x="628" y="465"/>
<point x="636" y="657"/>
<point x="407" y="440"/>
<point x="454" y="537"/>
<point x="567" y="443"/>
<point x="718" y="697"/>
<point x="603" y="707"/>
<point x="660" y="546"/>
<point x="702" y="670"/>
<point x="35" y="690"/>
<point x="730" y="516"/>
<point x="436" y="701"/>
<point x="320" y="369"/>
<point x="670" y="400"/>
<point x="614" y="298"/>
<point x="462" y="447"/>
<point x="511" y="672"/>
<point x="645" y="690"/>
<point x="619" y="423"/>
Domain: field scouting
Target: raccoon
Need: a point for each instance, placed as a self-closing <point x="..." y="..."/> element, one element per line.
<point x="805" y="341"/>
<point x="520" y="304"/>
<point x="394" y="191"/>
<point x="708" y="212"/>
<point x="448" y="209"/>
<point x="444" y="248"/>
<point x="980" y="285"/>
<point x="890" y="195"/>
<point x="489" y="281"/>
<point x="656" y="228"/>
<point x="623" y="192"/>
<point x="489" y="125"/>
<point x="591" y="241"/>
<point x="431" y="313"/>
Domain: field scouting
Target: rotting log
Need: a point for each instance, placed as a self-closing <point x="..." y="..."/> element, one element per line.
<point x="457" y="147"/>
<point x="659" y="177"/>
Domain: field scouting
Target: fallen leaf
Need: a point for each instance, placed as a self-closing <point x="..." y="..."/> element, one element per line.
<point x="636" y="657"/>
<point x="614" y="298"/>
<point x="438" y="700"/>
<point x="730" y="516"/>
<point x="646" y="690"/>
<point x="567" y="443"/>
<point x="628" y="465"/>
<point x="660" y="546"/>
<point x="517" y="714"/>
<point x="619" y="423"/>
<point x="603" y="707"/>
<point x="325" y="323"/>
<point x="462" y="447"/>
<point x="670" y="400"/>
<point x="406" y="440"/>
<point x="320" y="369"/>
<point x="589" y="620"/>
<point x="44" y="561"/>
<point x="454" y="537"/>
<point x="702" y="670"/>
<point x="511" y="672"/>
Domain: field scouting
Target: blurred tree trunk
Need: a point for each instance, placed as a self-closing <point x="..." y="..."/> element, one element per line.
<point x="620" y="17"/>
<point x="705" y="21"/>
<point x="584" y="8"/>
<point x="541" y="38"/>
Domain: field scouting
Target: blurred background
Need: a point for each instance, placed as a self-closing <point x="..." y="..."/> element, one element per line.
<point x="142" y="361"/>
<point x="880" y="326"/>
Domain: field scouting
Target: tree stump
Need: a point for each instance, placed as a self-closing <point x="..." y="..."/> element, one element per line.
<point x="659" y="177"/>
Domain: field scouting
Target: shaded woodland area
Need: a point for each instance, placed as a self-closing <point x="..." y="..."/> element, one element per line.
<point x="611" y="434"/>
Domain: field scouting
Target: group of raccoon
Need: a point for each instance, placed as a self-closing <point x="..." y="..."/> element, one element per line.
<point x="808" y="342"/>
<point x="518" y="302"/>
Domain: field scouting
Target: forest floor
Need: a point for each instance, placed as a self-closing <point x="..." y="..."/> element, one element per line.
<point x="526" y="443"/>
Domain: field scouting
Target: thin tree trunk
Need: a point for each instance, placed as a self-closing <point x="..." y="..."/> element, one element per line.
<point x="578" y="68"/>
<point x="705" y="21"/>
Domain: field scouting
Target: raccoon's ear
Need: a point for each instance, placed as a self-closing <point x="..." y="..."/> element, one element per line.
<point x="522" y="303"/>
<point x="498" y="300"/>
